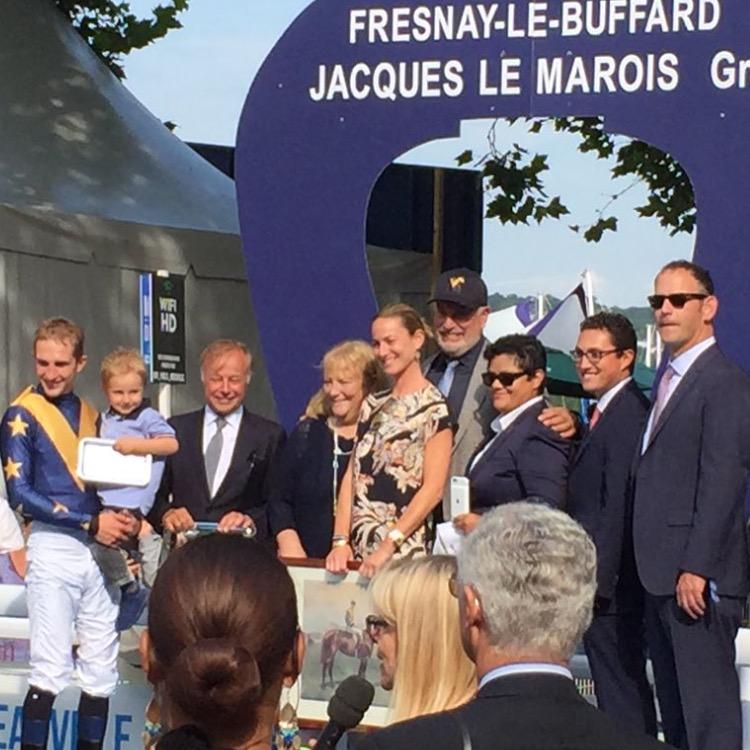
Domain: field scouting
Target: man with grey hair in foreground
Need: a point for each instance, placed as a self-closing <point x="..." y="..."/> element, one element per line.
<point x="525" y="589"/>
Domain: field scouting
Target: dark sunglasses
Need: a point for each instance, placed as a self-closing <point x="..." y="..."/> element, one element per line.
<point x="678" y="301"/>
<point x="506" y="378"/>
<point x="375" y="626"/>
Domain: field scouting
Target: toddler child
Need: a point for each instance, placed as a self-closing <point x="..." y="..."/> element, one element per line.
<point x="138" y="430"/>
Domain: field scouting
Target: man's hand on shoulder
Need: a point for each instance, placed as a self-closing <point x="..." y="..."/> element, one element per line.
<point x="561" y="420"/>
<point x="176" y="520"/>
<point x="691" y="594"/>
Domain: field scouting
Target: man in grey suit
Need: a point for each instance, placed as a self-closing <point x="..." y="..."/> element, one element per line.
<point x="460" y="312"/>
<point x="459" y="315"/>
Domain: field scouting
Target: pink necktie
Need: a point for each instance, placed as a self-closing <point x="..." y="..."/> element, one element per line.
<point x="595" y="416"/>
<point x="661" y="394"/>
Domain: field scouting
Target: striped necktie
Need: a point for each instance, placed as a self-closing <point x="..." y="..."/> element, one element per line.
<point x="213" y="452"/>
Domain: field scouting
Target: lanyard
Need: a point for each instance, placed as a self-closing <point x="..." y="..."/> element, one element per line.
<point x="336" y="453"/>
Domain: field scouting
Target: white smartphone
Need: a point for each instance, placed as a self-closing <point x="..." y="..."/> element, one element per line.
<point x="460" y="502"/>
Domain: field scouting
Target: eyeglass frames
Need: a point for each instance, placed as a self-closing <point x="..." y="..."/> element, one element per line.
<point x="677" y="300"/>
<point x="375" y="626"/>
<point x="592" y="355"/>
<point x="453" y="586"/>
<point x="506" y="379"/>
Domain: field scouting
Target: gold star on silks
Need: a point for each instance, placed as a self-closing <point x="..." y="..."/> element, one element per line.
<point x="58" y="507"/>
<point x="12" y="469"/>
<point x="18" y="426"/>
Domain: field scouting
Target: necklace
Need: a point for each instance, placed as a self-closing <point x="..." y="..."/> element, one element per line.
<point x="337" y="451"/>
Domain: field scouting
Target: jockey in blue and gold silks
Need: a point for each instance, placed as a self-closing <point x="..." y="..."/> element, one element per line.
<point x="65" y="591"/>
<point x="39" y="446"/>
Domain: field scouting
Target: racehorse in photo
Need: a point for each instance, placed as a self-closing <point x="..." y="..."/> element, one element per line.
<point x="357" y="645"/>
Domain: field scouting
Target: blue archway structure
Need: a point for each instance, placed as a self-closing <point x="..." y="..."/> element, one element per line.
<point x="668" y="72"/>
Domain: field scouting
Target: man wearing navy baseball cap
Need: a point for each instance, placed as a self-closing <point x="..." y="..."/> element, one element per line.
<point x="459" y="315"/>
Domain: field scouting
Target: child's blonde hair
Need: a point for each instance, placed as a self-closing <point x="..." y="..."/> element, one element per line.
<point x="120" y="362"/>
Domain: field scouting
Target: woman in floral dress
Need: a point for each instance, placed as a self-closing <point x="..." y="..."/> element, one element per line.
<point x="401" y="455"/>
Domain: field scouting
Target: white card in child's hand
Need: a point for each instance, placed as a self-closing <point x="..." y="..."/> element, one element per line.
<point x="100" y="463"/>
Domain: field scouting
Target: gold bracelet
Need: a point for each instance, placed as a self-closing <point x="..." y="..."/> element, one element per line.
<point x="341" y="542"/>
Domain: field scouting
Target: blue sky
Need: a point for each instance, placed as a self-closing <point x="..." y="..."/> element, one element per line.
<point x="198" y="77"/>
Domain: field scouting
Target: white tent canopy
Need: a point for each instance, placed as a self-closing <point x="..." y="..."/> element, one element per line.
<point x="93" y="190"/>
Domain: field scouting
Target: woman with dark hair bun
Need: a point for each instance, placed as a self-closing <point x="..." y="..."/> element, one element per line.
<point x="222" y="640"/>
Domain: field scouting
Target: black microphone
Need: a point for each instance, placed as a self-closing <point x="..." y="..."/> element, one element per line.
<point x="345" y="710"/>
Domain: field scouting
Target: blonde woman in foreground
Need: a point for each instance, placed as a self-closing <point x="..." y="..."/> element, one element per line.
<point x="416" y="630"/>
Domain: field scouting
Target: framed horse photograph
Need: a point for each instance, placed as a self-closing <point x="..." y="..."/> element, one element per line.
<point x="332" y="613"/>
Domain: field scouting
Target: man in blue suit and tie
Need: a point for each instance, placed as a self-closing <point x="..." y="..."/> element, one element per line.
<point x="598" y="486"/>
<point x="689" y="530"/>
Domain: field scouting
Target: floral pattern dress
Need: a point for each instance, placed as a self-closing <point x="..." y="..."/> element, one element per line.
<point x="388" y="464"/>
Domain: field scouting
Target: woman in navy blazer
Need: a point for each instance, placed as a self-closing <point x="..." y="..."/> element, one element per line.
<point x="521" y="458"/>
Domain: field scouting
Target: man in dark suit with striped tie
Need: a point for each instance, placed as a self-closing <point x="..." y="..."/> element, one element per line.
<point x="689" y="526"/>
<point x="598" y="500"/>
<point x="221" y="471"/>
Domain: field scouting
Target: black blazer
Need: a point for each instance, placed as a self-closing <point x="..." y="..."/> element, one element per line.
<point x="245" y="486"/>
<point x="526" y="459"/>
<point x="517" y="712"/>
<point x="302" y="488"/>
<point x="598" y="483"/>
<point x="689" y="485"/>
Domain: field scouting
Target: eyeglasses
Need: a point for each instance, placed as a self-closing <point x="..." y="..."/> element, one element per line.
<point x="453" y="586"/>
<point x="375" y="626"/>
<point x="678" y="300"/>
<point x="592" y="355"/>
<point x="506" y="378"/>
<point x="457" y="313"/>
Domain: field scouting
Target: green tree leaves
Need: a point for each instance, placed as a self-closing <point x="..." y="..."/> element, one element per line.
<point x="514" y="179"/>
<point x="112" y="30"/>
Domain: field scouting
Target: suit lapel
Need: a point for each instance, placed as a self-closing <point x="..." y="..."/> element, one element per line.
<point x="604" y="420"/>
<point x="530" y="414"/>
<point x="427" y="364"/>
<point x="478" y="450"/>
<point x="471" y="405"/>
<point x="193" y="440"/>
<point x="241" y="449"/>
<point x="684" y="386"/>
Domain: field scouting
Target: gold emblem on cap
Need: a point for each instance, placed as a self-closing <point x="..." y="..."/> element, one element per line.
<point x="457" y="281"/>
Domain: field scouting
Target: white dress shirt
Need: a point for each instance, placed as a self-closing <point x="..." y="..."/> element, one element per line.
<point x="229" y="433"/>
<point x="11" y="538"/>
<point x="501" y="423"/>
<point x="525" y="668"/>
<point x="607" y="397"/>
<point x="680" y="365"/>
